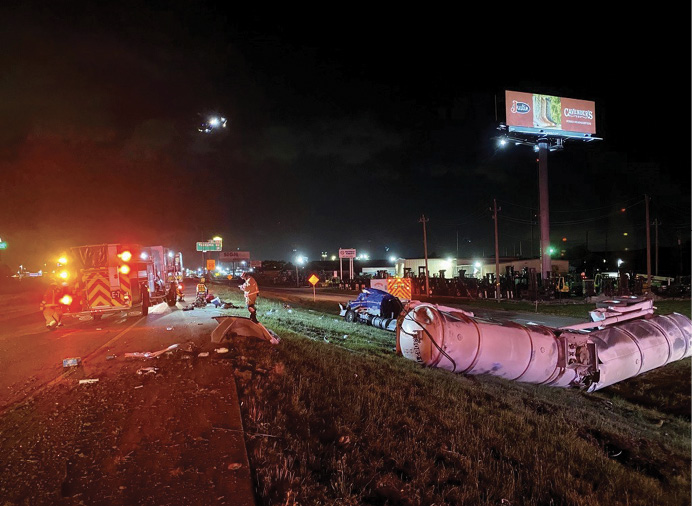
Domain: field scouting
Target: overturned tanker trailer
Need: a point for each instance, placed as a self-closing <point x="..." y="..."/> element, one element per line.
<point x="625" y="340"/>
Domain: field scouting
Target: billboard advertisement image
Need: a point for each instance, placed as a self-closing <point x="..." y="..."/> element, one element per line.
<point x="532" y="111"/>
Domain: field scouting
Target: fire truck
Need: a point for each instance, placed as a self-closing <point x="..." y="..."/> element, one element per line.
<point x="111" y="278"/>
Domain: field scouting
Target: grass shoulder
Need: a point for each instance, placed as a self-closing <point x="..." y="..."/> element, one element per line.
<point x="346" y="421"/>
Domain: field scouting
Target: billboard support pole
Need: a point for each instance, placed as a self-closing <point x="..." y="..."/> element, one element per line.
<point x="648" y="245"/>
<point x="544" y="216"/>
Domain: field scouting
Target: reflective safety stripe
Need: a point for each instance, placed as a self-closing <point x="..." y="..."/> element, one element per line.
<point x="98" y="289"/>
<point x="399" y="287"/>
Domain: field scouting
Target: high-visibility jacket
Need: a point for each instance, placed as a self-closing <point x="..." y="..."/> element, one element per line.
<point x="202" y="289"/>
<point x="52" y="296"/>
<point x="250" y="289"/>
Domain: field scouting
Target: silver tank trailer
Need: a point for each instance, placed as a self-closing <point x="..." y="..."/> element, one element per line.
<point x="449" y="338"/>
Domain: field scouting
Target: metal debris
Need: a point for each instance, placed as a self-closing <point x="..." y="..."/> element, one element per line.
<point x="71" y="362"/>
<point x="150" y="354"/>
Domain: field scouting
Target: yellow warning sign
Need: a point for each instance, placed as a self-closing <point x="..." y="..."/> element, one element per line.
<point x="313" y="280"/>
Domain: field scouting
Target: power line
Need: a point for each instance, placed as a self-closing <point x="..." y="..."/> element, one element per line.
<point x="624" y="203"/>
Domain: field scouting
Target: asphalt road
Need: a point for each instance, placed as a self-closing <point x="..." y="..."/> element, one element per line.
<point x="171" y="435"/>
<point x="31" y="357"/>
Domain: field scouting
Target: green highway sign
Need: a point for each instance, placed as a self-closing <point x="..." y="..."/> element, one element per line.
<point x="3" y="245"/>
<point x="209" y="246"/>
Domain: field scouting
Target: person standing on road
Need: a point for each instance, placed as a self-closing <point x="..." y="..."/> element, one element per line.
<point x="251" y="291"/>
<point x="50" y="305"/>
<point x="202" y="290"/>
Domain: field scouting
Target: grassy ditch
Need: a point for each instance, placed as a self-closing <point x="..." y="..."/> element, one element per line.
<point x="333" y="416"/>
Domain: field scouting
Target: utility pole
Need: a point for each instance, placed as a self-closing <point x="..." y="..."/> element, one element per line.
<point x="648" y="245"/>
<point x="497" y="254"/>
<point x="656" y="224"/>
<point x="424" y="220"/>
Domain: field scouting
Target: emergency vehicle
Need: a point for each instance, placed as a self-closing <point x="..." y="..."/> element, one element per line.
<point x="110" y="278"/>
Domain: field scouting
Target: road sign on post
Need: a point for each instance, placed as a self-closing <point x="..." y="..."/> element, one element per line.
<point x="313" y="281"/>
<point x="349" y="253"/>
<point x="211" y="264"/>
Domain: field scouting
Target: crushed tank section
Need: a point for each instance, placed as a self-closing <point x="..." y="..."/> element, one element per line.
<point x="623" y="341"/>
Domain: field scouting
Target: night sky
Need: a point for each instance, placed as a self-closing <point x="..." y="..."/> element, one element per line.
<point x="343" y="127"/>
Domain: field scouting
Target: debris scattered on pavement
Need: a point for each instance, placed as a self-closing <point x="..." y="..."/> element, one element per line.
<point x="234" y="466"/>
<point x="230" y="305"/>
<point x="150" y="354"/>
<point x="139" y="386"/>
<point x="110" y="357"/>
<point x="71" y="362"/>
<point x="169" y="328"/>
<point x="188" y="308"/>
<point x="147" y="370"/>
<point x="87" y="381"/>
<point x="99" y="328"/>
<point x="190" y="347"/>
<point x="203" y="354"/>
<point x="221" y="350"/>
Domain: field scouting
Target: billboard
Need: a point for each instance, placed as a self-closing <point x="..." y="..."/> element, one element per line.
<point x="532" y="112"/>
<point x="347" y="253"/>
<point x="234" y="256"/>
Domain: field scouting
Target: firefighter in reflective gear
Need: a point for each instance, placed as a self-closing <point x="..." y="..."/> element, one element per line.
<point x="50" y="305"/>
<point x="251" y="291"/>
<point x="202" y="290"/>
